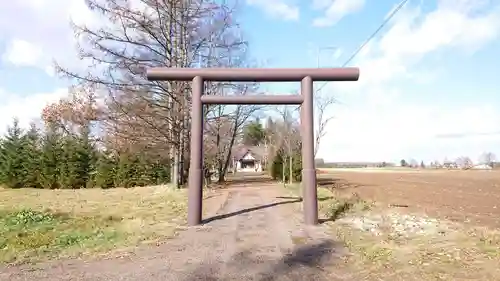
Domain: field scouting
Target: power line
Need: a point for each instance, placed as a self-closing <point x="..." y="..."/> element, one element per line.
<point x="360" y="48"/>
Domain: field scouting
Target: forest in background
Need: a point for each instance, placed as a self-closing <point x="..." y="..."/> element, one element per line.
<point x="116" y="128"/>
<point x="54" y="159"/>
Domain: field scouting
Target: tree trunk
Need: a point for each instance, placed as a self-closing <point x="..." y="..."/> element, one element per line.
<point x="218" y="157"/>
<point x="222" y="177"/>
<point x="171" y="126"/>
<point x="283" y="169"/>
<point x="291" y="169"/>
<point x="183" y="151"/>
<point x="220" y="171"/>
<point x="185" y="49"/>
<point x="175" y="179"/>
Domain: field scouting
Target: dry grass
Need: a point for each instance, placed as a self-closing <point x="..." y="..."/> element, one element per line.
<point x="36" y="224"/>
<point x="452" y="255"/>
<point x="443" y="250"/>
<point x="333" y="206"/>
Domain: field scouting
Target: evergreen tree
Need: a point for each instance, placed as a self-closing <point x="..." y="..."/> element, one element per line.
<point x="80" y="158"/>
<point x="13" y="157"/>
<point x="124" y="171"/>
<point x="253" y="133"/>
<point x="296" y="168"/>
<point x="33" y="157"/>
<point x="141" y="171"/>
<point x="280" y="169"/>
<point x="69" y="166"/>
<point x="277" y="167"/>
<point x="54" y="159"/>
<point x="105" y="171"/>
<point x="160" y="172"/>
<point x="87" y="157"/>
<point x="51" y="159"/>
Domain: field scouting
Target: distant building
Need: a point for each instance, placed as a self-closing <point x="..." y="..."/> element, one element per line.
<point x="248" y="159"/>
<point x="482" y="167"/>
<point x="449" y="164"/>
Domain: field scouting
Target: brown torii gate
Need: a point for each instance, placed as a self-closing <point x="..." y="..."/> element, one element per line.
<point x="305" y="75"/>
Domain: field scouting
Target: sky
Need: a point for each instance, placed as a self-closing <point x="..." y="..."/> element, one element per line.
<point x="427" y="88"/>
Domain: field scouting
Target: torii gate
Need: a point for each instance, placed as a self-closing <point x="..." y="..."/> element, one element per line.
<point x="305" y="75"/>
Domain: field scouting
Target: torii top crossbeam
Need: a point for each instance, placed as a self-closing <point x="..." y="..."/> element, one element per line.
<point x="254" y="74"/>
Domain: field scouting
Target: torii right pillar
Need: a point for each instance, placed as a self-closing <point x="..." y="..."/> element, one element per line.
<point x="309" y="184"/>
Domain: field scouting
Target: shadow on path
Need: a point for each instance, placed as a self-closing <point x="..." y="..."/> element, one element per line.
<point x="320" y="199"/>
<point x="306" y="262"/>
<point x="248" y="210"/>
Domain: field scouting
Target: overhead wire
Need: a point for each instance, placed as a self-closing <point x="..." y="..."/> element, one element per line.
<point x="363" y="45"/>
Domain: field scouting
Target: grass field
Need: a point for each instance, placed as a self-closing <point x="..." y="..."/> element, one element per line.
<point x="417" y="225"/>
<point x="36" y="224"/>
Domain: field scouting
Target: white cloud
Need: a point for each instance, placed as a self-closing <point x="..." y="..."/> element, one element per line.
<point x="42" y="31"/>
<point x="412" y="35"/>
<point x="22" y="53"/>
<point x="389" y="131"/>
<point x="36" y="32"/>
<point x="375" y="124"/>
<point x="281" y="9"/>
<point x="335" y="10"/>
<point x="26" y="109"/>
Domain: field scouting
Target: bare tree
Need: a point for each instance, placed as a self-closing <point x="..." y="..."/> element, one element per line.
<point x="487" y="158"/>
<point x="283" y="135"/>
<point x="463" y="162"/>
<point x="322" y="104"/>
<point x="447" y="163"/>
<point x="225" y="123"/>
<point x="139" y="34"/>
<point x="289" y="132"/>
<point x="223" y="128"/>
<point x="75" y="113"/>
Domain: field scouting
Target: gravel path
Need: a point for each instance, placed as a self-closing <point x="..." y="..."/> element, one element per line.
<point x="255" y="235"/>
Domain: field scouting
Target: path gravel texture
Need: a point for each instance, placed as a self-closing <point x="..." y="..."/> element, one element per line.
<point x="256" y="234"/>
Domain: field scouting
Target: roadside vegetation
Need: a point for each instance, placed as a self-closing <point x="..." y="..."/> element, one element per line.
<point x="37" y="224"/>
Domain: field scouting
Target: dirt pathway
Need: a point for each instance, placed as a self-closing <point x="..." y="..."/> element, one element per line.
<point x="255" y="235"/>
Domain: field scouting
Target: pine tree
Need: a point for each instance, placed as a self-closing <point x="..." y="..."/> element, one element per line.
<point x="124" y="171"/>
<point x="143" y="171"/>
<point x="277" y="167"/>
<point x="69" y="164"/>
<point x="33" y="157"/>
<point x="296" y="168"/>
<point x="51" y="159"/>
<point x="2" y="157"/>
<point x="13" y="157"/>
<point x="160" y="172"/>
<point x="79" y="164"/>
<point x="87" y="157"/>
<point x="104" y="176"/>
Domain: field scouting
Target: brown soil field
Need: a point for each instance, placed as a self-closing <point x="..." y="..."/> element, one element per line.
<point x="468" y="197"/>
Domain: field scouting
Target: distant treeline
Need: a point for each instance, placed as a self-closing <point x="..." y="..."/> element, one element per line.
<point x="320" y="163"/>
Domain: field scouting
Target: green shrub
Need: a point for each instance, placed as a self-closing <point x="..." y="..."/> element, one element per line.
<point x="281" y="164"/>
